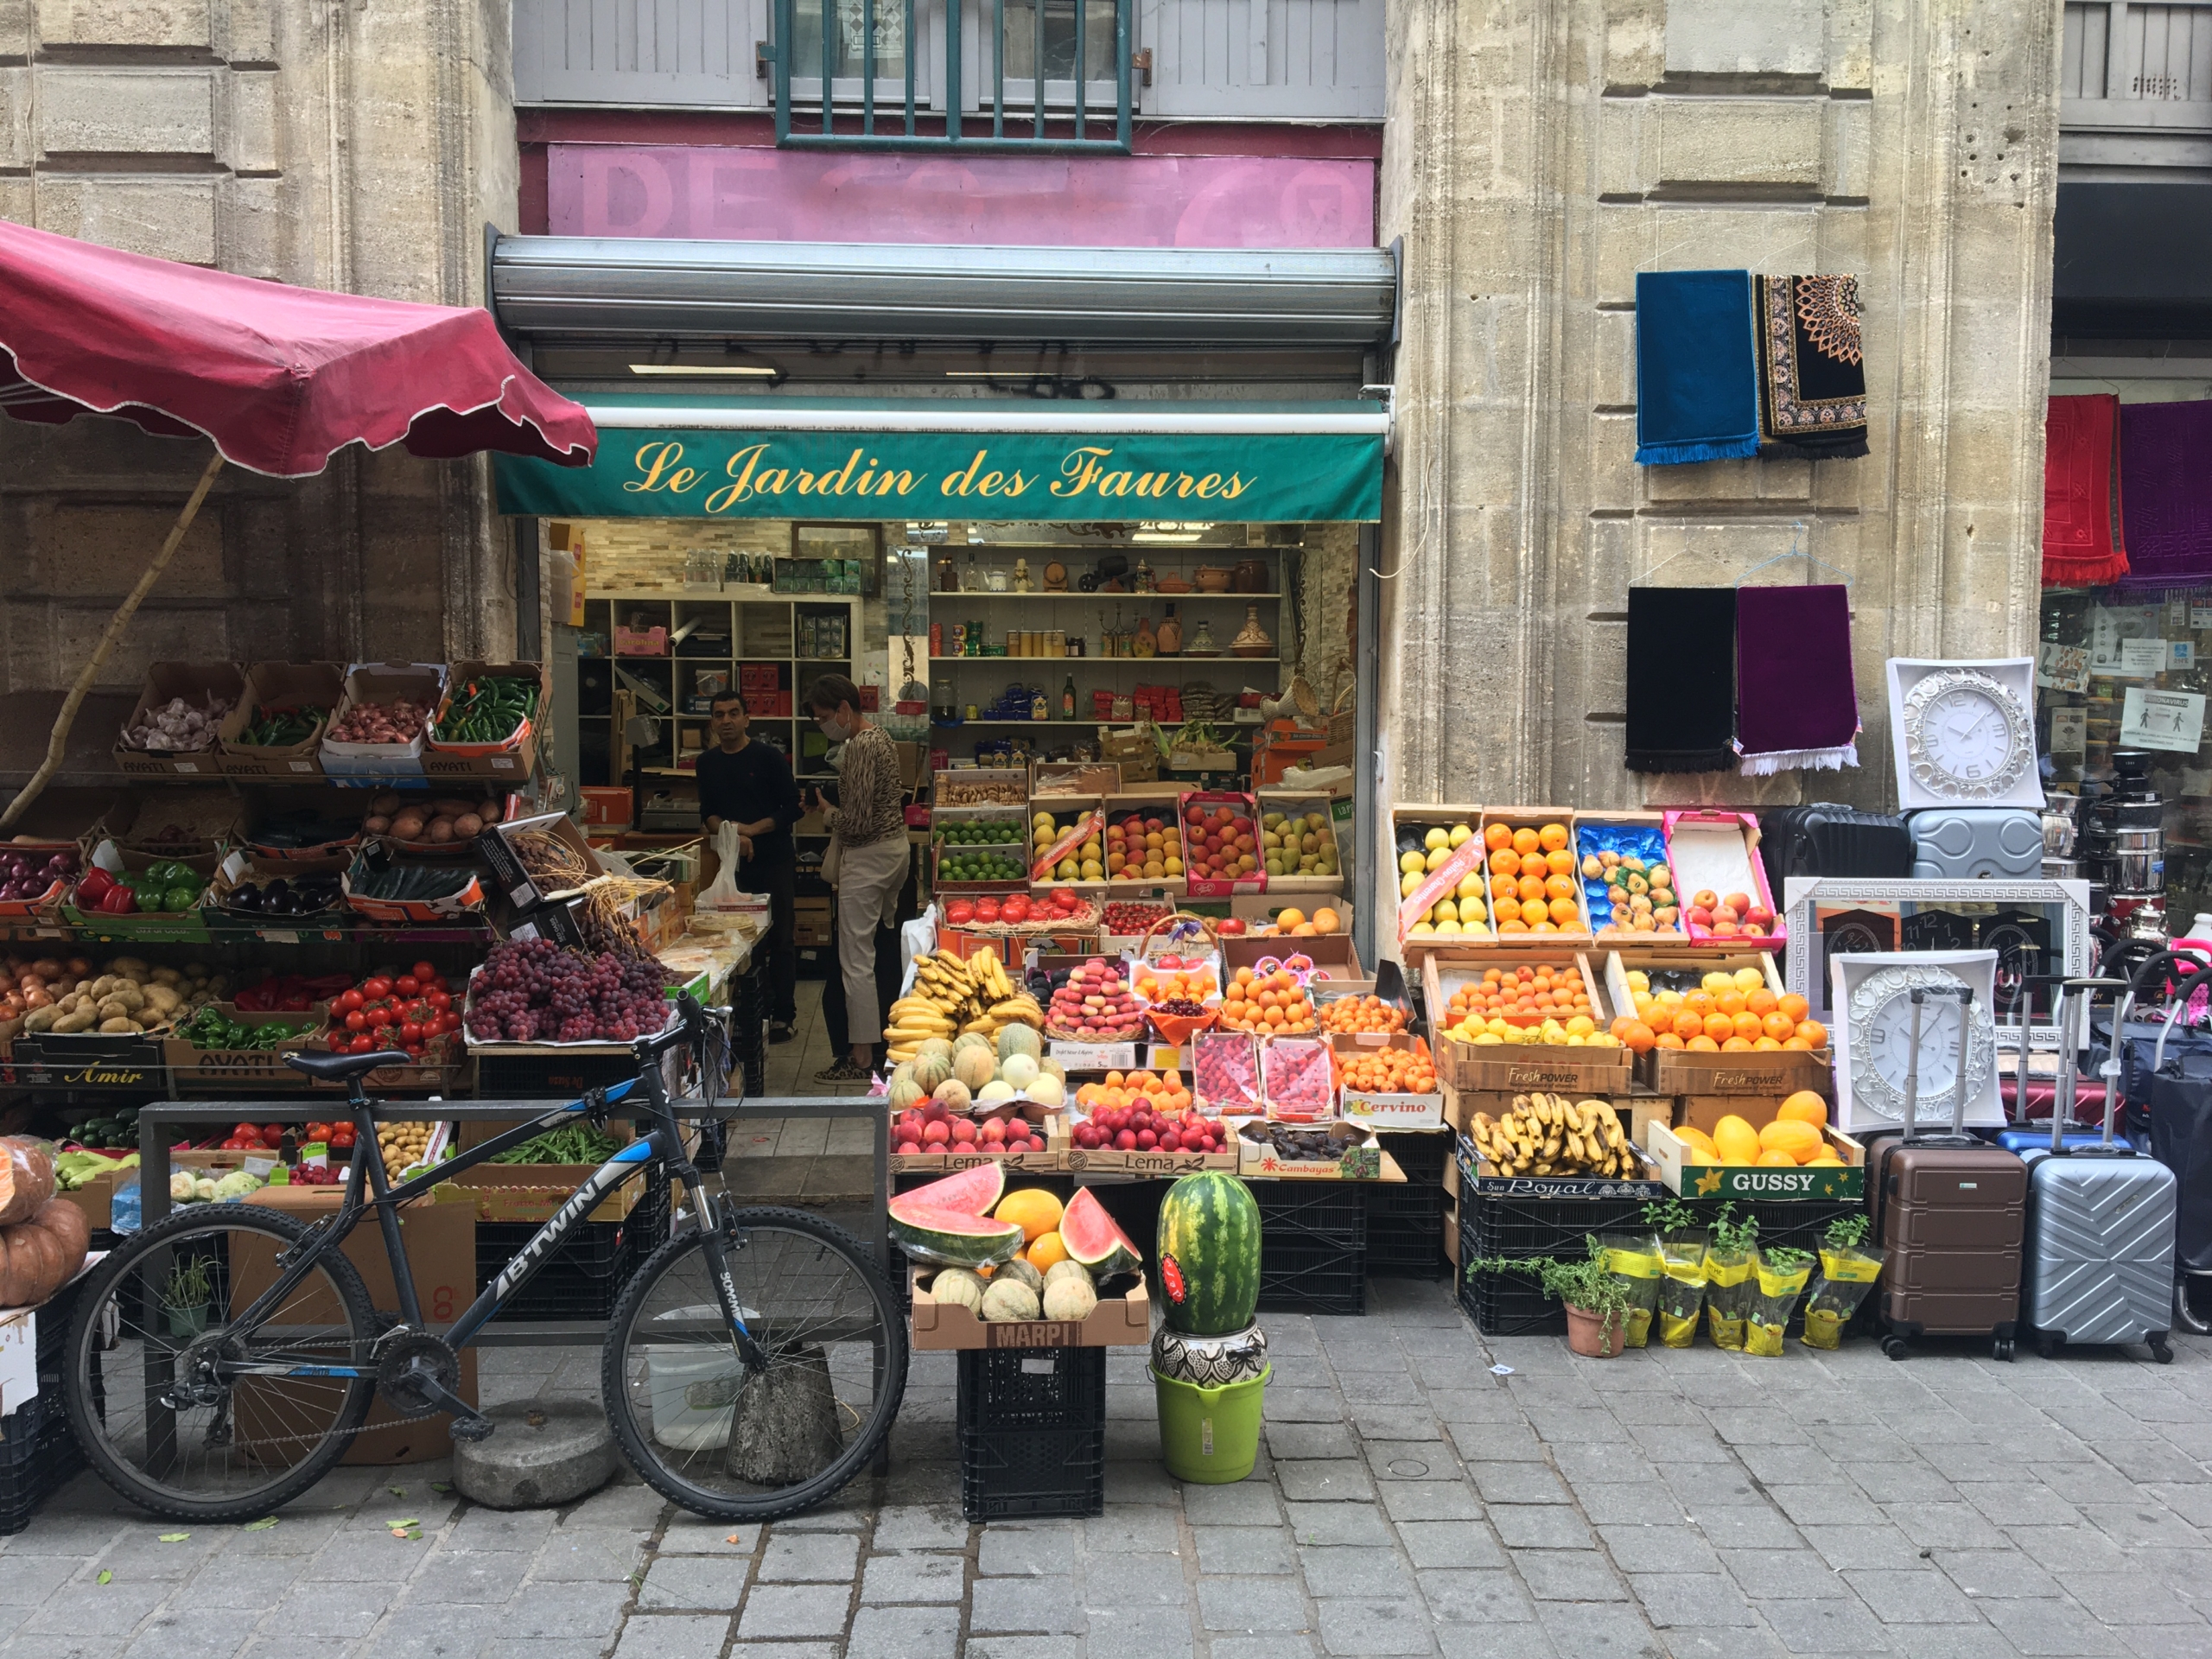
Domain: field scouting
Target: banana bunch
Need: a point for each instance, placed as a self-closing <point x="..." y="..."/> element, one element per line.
<point x="952" y="996"/>
<point x="1550" y="1135"/>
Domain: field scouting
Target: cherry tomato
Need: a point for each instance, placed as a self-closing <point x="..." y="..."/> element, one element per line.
<point x="407" y="985"/>
<point x="364" y="1043"/>
<point x="424" y="971"/>
<point x="379" y="1018"/>
<point x="351" y="999"/>
<point x="410" y="1035"/>
<point x="440" y="1000"/>
<point x="372" y="989"/>
<point x="357" y="1020"/>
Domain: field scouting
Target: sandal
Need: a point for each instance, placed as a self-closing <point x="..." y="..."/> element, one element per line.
<point x="843" y="1072"/>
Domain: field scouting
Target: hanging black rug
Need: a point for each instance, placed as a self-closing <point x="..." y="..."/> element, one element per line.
<point x="1811" y="377"/>
<point x="1681" y="679"/>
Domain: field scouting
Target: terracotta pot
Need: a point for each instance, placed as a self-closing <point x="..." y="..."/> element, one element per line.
<point x="1250" y="576"/>
<point x="1586" y="1334"/>
<point x="1211" y="580"/>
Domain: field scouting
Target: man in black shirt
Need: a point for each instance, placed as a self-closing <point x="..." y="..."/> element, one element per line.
<point x="750" y="785"/>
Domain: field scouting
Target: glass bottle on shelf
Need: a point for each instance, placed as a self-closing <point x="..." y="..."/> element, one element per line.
<point x="948" y="575"/>
<point x="1067" y="699"/>
<point x="948" y="709"/>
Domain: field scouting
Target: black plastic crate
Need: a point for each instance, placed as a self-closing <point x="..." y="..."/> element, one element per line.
<point x="586" y="1269"/>
<point x="38" y="1455"/>
<point x="54" y="1316"/>
<point x="1524" y="1230"/>
<point x="1312" y="1246"/>
<point x="1032" y="1433"/>
<point x="1405" y="1231"/>
<point x="552" y="1074"/>
<point x="1423" y="1155"/>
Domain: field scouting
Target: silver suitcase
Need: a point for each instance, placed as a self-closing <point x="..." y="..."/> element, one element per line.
<point x="1976" y="844"/>
<point x="2098" y="1257"/>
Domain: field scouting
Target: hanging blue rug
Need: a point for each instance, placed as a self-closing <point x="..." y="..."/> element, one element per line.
<point x="1697" y="385"/>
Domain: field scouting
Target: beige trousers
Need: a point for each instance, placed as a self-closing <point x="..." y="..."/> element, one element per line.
<point x="868" y="880"/>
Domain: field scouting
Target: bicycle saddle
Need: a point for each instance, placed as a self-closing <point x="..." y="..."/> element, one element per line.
<point x="336" y="1068"/>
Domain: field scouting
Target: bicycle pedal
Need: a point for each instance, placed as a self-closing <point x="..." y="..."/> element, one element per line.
<point x="472" y="1429"/>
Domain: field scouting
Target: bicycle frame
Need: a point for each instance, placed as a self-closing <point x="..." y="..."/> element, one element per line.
<point x="662" y="1144"/>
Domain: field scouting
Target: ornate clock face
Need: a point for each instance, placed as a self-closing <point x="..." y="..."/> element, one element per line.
<point x="1966" y="737"/>
<point x="1881" y="1044"/>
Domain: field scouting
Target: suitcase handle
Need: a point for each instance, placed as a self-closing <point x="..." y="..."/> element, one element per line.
<point x="2069" y="1059"/>
<point x="1920" y="994"/>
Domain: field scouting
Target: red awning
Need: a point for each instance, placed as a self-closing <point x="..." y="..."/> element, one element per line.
<point x="278" y="377"/>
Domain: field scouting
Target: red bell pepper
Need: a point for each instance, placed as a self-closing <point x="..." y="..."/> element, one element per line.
<point x="119" y="900"/>
<point x="95" y="886"/>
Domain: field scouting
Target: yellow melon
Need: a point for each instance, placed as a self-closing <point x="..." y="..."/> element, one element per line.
<point x="1799" y="1140"/>
<point x="1735" y="1140"/>
<point x="1805" y="1107"/>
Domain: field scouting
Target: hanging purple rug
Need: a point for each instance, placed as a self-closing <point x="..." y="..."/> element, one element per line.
<point x="1796" y="701"/>
<point x="2165" y="458"/>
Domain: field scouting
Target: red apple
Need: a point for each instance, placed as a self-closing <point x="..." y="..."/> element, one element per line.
<point x="1704" y="899"/>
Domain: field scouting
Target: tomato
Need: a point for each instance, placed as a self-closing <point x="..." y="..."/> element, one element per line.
<point x="350" y="1000"/>
<point x="987" y="910"/>
<point x="341" y="1136"/>
<point x="245" y="1128"/>
<point x="357" y="1020"/>
<point x="410" y="1036"/>
<point x="438" y="982"/>
<point x="407" y="985"/>
<point x="366" y="1043"/>
<point x="424" y="972"/>
<point x="960" y="913"/>
<point x="318" y="1131"/>
<point x="272" y="1133"/>
<point x="379" y="1018"/>
<point x="440" y="1000"/>
<point x="242" y="1143"/>
<point x="449" y="1021"/>
<point x="376" y="989"/>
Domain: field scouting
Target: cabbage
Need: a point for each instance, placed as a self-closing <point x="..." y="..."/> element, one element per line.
<point x="182" y="1188"/>
<point x="237" y="1184"/>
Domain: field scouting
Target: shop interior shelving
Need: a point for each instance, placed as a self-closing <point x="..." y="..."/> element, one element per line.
<point x="798" y="635"/>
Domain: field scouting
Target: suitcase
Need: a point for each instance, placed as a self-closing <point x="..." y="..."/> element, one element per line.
<point x="1976" y="844"/>
<point x="2099" y="1252"/>
<point x="2039" y="1099"/>
<point x="1950" y="1214"/>
<point x="1825" y="839"/>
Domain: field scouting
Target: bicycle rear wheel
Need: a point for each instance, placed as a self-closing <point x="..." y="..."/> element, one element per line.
<point x="704" y="1430"/>
<point x="155" y="1376"/>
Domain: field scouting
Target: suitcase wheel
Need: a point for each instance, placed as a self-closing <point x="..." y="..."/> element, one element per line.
<point x="2161" y="1350"/>
<point x="2047" y="1345"/>
<point x="1895" y="1347"/>
<point x="2001" y="1348"/>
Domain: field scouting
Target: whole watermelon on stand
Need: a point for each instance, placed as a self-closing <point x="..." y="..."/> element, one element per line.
<point x="1210" y="1253"/>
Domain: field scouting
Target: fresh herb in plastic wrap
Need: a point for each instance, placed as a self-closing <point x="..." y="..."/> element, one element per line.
<point x="1780" y="1274"/>
<point x="1847" y="1276"/>
<point x="1681" y="1293"/>
<point x="1636" y="1261"/>
<point x="1729" y="1286"/>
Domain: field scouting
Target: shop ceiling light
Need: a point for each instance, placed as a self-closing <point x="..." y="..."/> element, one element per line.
<point x="748" y="370"/>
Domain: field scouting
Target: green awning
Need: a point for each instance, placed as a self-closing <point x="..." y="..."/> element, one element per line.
<point x="694" y="457"/>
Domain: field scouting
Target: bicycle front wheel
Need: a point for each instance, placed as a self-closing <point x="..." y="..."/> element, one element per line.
<point x="191" y="1415"/>
<point x="727" y="1441"/>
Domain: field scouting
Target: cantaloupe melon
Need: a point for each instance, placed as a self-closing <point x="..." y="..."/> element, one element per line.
<point x="996" y="1092"/>
<point x="969" y="1040"/>
<point x="931" y="1069"/>
<point x="953" y="1095"/>
<point x="1020" y="1039"/>
<point x="906" y="1092"/>
<point x="1046" y="1090"/>
<point x="975" y="1066"/>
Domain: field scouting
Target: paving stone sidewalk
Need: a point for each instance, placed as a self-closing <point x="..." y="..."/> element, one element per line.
<point x="1410" y="1500"/>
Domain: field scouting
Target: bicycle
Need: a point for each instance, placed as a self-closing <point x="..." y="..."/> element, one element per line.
<point x="220" y="1363"/>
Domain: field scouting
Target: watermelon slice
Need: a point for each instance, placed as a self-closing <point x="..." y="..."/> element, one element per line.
<point x="972" y="1192"/>
<point x="1093" y="1240"/>
<point x="952" y="1238"/>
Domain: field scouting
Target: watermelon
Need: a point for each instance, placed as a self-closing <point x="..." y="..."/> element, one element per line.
<point x="1209" y="1254"/>
<point x="1093" y="1240"/>
<point x="950" y="1237"/>
<point x="972" y="1192"/>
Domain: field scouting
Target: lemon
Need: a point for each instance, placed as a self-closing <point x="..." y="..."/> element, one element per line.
<point x="1445" y="910"/>
<point x="1412" y="863"/>
<point x="1489" y="1040"/>
<point x="1436" y="839"/>
<point x="1171" y="866"/>
<point x="1420" y="930"/>
<point x="1461" y="835"/>
<point x="1408" y="882"/>
<point x="1638" y="980"/>
<point x="1718" y="981"/>
<point x="1438" y="857"/>
<point x="1748" y="979"/>
<point x="1449" y="925"/>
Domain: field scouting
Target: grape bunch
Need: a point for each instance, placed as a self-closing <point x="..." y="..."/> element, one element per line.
<point x="533" y="990"/>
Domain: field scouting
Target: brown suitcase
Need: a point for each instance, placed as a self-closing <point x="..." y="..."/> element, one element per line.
<point x="1950" y="1212"/>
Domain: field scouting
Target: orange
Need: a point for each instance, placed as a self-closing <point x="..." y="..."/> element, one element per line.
<point x="1737" y="1046"/>
<point x="1638" y="1038"/>
<point x="1667" y="1039"/>
<point x="1747" y="1025"/>
<point x="1815" y="1034"/>
<point x="1532" y="887"/>
<point x="1526" y="842"/>
<point x="1505" y="861"/>
<point x="1512" y="924"/>
<point x="1793" y="1005"/>
<point x="1778" y="1025"/>
<point x="1766" y="1045"/>
<point x="1326" y="920"/>
<point x="1729" y="1002"/>
<point x="1797" y="1046"/>
<point x="1505" y="888"/>
<point x="1497" y="835"/>
<point x="1552" y="836"/>
<point x="1689" y="1024"/>
<point x="1760" y="1001"/>
<point x="1699" y="1003"/>
<point x="1803" y="1107"/>
<point x="1719" y="1026"/>
<point x="1564" y="909"/>
<point x="1559" y="886"/>
<point x="1289" y="917"/>
<point x="1702" y="1045"/>
<point x="1534" y="910"/>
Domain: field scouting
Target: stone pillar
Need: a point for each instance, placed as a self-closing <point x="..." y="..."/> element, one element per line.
<point x="331" y="145"/>
<point x="1538" y="156"/>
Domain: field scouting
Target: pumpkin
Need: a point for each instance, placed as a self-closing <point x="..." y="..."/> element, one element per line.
<point x="38" y="1256"/>
<point x="66" y="1222"/>
<point x="18" y="1271"/>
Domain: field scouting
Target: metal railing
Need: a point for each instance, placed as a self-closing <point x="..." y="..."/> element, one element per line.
<point x="895" y="74"/>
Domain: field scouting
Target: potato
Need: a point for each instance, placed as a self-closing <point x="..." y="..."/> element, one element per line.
<point x="376" y="823"/>
<point x="113" y="1008"/>
<point x="440" y="830"/>
<point x="488" y="810"/>
<point x="408" y="826"/>
<point x="103" y="985"/>
<point x="129" y="994"/>
<point x="385" y="802"/>
<point x="164" y="999"/>
<point x="41" y="1018"/>
<point x="468" y="826"/>
<point x="74" y="1022"/>
<point x="168" y="976"/>
<point x="129" y="967"/>
<point x="122" y="1026"/>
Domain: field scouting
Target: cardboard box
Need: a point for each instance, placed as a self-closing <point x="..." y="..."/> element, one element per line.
<point x="439" y="1234"/>
<point x="1365" y="1162"/>
<point x="237" y="870"/>
<point x="194" y="682"/>
<point x="1721" y="851"/>
<point x="1514" y="1068"/>
<point x="246" y="1067"/>
<point x="1679" y="1071"/>
<point x="1386" y="1111"/>
<point x="494" y="846"/>
<point x="1632" y="1111"/>
<point x="811" y="926"/>
<point x="144" y="926"/>
<point x="608" y="808"/>
<point x="1051" y="782"/>
<point x="1337" y="809"/>
<point x="282" y="686"/>
<point x="1335" y="959"/>
<point x="1643" y="835"/>
<point x="1752" y="1182"/>
<point x="534" y="1192"/>
<point x="1117" y="1322"/>
<point x="185" y="822"/>
<point x="421" y="683"/>
<point x="981" y="786"/>
<point x="510" y="761"/>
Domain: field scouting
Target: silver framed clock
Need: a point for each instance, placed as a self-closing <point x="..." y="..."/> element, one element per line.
<point x="1963" y="733"/>
<point x="1873" y="998"/>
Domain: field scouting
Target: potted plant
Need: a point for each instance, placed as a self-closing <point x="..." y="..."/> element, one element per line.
<point x="1682" y="1238"/>
<point x="1847" y="1272"/>
<point x="186" y="1295"/>
<point x="1598" y="1301"/>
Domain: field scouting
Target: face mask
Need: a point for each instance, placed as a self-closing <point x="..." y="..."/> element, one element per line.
<point x="834" y="729"/>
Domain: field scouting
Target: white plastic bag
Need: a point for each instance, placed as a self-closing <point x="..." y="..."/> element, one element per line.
<point x="723" y="892"/>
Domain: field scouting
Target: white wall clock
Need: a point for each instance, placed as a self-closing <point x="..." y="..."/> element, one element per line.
<point x="1964" y="732"/>
<point x="1871" y="996"/>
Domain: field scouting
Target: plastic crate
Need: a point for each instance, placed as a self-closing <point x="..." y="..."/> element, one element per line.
<point x="1424" y="1155"/>
<point x="552" y="1074"/>
<point x="38" y="1455"/>
<point x="1405" y="1231"/>
<point x="1523" y="1230"/>
<point x="1312" y="1246"/>
<point x="54" y="1316"/>
<point x="586" y="1269"/>
<point x="1032" y="1432"/>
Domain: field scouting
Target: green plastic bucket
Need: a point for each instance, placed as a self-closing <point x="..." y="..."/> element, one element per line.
<point x="1210" y="1435"/>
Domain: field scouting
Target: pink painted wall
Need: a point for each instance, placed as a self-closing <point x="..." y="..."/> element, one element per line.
<point x="772" y="196"/>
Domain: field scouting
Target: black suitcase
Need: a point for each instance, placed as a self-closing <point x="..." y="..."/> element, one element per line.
<point x="1824" y="839"/>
